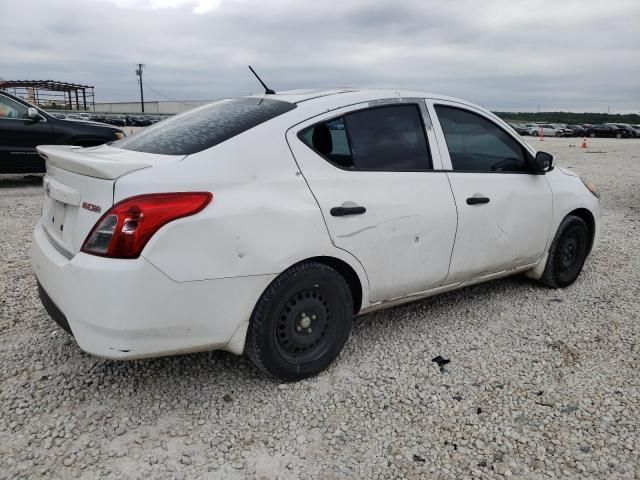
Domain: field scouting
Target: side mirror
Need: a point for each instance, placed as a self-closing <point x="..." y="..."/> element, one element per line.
<point x="32" y="114"/>
<point x="543" y="162"/>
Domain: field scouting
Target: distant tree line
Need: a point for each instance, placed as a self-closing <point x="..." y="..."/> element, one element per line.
<point x="569" y="117"/>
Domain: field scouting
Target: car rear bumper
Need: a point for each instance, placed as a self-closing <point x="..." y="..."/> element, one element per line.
<point x="125" y="309"/>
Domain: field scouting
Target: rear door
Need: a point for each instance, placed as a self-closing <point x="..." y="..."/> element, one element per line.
<point x="381" y="190"/>
<point x="19" y="136"/>
<point x="504" y="212"/>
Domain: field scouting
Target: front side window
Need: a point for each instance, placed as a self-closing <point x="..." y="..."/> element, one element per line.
<point x="477" y="144"/>
<point x="204" y="127"/>
<point x="11" y="109"/>
<point x="388" y="138"/>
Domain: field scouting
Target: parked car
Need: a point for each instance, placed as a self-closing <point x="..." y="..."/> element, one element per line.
<point x="608" y="130"/>
<point x="549" y="130"/>
<point x="633" y="132"/>
<point x="138" y="121"/>
<point x="117" y="120"/>
<point x="564" y="130"/>
<point x="98" y="118"/>
<point x="251" y="225"/>
<point x="24" y="126"/>
<point x="521" y="129"/>
<point x="577" y="130"/>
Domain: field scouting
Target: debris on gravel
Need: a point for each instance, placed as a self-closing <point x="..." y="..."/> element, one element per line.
<point x="544" y="383"/>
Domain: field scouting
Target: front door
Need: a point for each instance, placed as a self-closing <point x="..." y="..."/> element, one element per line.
<point x="19" y="136"/>
<point x="504" y="212"/>
<point x="382" y="193"/>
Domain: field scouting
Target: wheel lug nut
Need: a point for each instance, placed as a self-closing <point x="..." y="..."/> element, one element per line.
<point x="313" y="317"/>
<point x="309" y="330"/>
<point x="299" y="328"/>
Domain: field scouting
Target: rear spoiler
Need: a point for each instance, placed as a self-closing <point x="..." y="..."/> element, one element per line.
<point x="99" y="162"/>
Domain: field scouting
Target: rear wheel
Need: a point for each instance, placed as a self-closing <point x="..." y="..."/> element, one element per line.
<point x="567" y="253"/>
<point x="301" y="322"/>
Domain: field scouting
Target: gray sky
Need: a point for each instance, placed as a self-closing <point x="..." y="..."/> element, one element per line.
<point x="502" y="54"/>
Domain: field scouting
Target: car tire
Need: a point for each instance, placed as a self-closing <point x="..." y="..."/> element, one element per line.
<point x="558" y="134"/>
<point x="618" y="135"/>
<point x="592" y="135"/>
<point x="567" y="253"/>
<point x="301" y="322"/>
<point x="535" y="134"/>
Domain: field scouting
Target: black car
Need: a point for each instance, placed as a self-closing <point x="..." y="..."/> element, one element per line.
<point x="138" y="121"/>
<point x="607" y="130"/>
<point x="23" y="127"/>
<point x="633" y="132"/>
<point x="519" y="128"/>
<point x="577" y="130"/>
<point x="117" y="120"/>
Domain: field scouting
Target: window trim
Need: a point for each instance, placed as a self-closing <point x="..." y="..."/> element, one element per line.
<point x="465" y="108"/>
<point x="374" y="105"/>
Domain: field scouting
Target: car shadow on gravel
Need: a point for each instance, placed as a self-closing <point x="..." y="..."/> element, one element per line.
<point x="18" y="181"/>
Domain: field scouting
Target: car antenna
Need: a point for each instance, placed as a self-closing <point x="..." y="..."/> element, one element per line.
<point x="267" y="90"/>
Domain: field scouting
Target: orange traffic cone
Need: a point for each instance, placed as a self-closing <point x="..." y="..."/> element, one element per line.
<point x="584" y="142"/>
<point x="541" y="134"/>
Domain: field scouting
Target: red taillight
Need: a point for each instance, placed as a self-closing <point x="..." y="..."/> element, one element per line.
<point x="126" y="228"/>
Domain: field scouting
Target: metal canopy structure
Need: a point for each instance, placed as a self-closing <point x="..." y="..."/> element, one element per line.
<point x="51" y="94"/>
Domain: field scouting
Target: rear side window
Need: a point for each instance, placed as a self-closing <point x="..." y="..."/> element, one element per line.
<point x="390" y="138"/>
<point x="204" y="127"/>
<point x="477" y="144"/>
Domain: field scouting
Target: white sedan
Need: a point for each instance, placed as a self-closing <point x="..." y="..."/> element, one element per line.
<point x="547" y="130"/>
<point x="264" y="224"/>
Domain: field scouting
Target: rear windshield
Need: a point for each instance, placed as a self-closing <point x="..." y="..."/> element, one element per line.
<point x="204" y="127"/>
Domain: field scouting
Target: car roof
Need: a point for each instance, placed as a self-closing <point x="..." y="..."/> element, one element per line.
<point x="329" y="98"/>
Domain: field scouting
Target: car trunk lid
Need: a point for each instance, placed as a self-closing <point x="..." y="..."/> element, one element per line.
<point x="79" y="186"/>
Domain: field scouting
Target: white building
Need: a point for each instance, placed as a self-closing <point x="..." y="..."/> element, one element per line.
<point x="159" y="107"/>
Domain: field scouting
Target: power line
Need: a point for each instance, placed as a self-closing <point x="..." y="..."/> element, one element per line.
<point x="168" y="98"/>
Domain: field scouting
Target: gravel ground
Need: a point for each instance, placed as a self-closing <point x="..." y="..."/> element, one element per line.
<point x="540" y="384"/>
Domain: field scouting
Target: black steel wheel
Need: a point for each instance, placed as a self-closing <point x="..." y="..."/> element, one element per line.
<point x="567" y="253"/>
<point x="301" y="322"/>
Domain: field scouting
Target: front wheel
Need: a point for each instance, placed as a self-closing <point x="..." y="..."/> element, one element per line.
<point x="301" y="322"/>
<point x="567" y="253"/>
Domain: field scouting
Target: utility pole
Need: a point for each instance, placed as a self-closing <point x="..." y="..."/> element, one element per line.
<point x="139" y="74"/>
